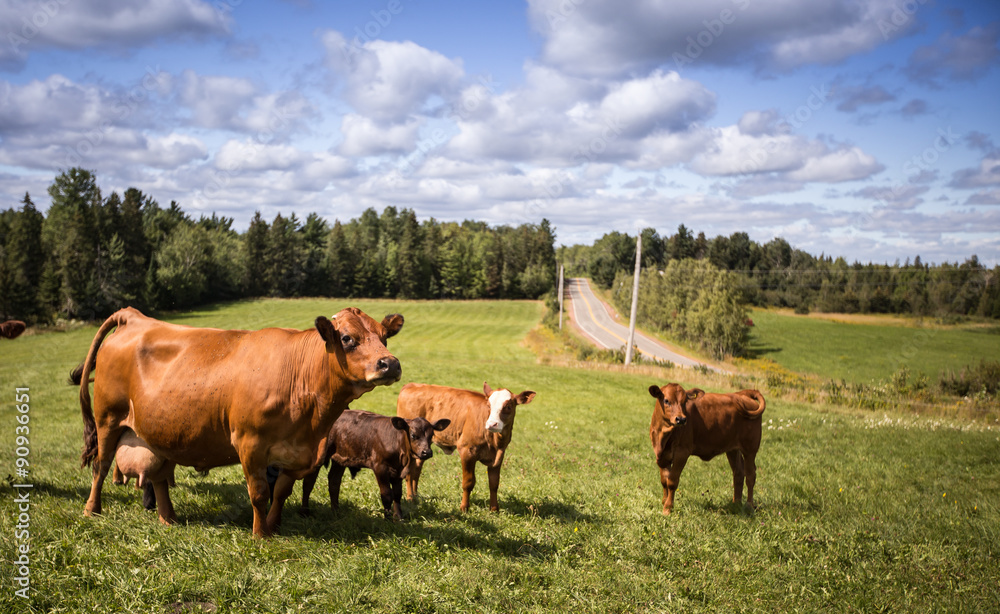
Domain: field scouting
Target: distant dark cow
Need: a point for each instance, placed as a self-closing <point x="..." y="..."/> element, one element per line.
<point x="386" y="445"/>
<point x="481" y="429"/>
<point x="207" y="397"/>
<point x="134" y="459"/>
<point x="705" y="425"/>
<point x="11" y="329"/>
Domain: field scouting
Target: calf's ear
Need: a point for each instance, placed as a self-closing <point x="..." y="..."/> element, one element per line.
<point x="399" y="423"/>
<point x="525" y="397"/>
<point x="392" y="323"/>
<point x="655" y="392"/>
<point x="487" y="390"/>
<point x="326" y="329"/>
<point x="694" y="393"/>
<point x="441" y="424"/>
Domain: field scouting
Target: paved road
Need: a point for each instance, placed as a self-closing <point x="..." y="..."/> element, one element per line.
<point x="592" y="317"/>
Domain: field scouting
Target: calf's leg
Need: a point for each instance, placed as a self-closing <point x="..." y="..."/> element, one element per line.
<point x="308" y="483"/>
<point x="494" y="476"/>
<point x="334" y="478"/>
<point x="468" y="479"/>
<point x="736" y="463"/>
<point x="164" y="507"/>
<point x="413" y="479"/>
<point x="670" y="477"/>
<point x="750" y="459"/>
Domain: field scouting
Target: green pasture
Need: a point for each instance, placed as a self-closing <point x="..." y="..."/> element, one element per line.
<point x="864" y="353"/>
<point x="858" y="512"/>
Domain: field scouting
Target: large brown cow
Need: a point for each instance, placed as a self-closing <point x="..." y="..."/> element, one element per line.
<point x="481" y="429"/>
<point x="386" y="445"/>
<point x="11" y="329"/>
<point x="207" y="397"/>
<point x="693" y="422"/>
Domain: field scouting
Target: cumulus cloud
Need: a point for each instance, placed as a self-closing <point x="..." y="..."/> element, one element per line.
<point x="986" y="174"/>
<point x="597" y="37"/>
<point x="390" y="81"/>
<point x="102" y="24"/>
<point x="967" y="57"/>
<point x="364" y="137"/>
<point x="233" y="103"/>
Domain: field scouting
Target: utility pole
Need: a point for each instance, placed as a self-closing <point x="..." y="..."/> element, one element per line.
<point x="560" y="295"/>
<point x="635" y="300"/>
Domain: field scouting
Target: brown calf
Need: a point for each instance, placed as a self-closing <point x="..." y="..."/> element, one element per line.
<point x="387" y="446"/>
<point x="705" y="425"/>
<point x="481" y="428"/>
<point x="11" y="329"/>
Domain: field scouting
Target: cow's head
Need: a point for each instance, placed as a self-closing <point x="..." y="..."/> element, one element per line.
<point x="421" y="433"/>
<point x="357" y="345"/>
<point x="674" y="401"/>
<point x="503" y="404"/>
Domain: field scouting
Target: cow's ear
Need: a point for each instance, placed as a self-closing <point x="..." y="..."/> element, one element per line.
<point x="441" y="424"/>
<point x="694" y="393"/>
<point x="525" y="397"/>
<point x="392" y="323"/>
<point x="487" y="390"/>
<point x="655" y="392"/>
<point x="399" y="423"/>
<point x="326" y="329"/>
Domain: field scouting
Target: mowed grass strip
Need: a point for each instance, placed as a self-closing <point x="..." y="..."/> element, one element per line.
<point x="864" y="353"/>
<point x="858" y="512"/>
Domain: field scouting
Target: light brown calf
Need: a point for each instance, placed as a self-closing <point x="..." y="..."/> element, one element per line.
<point x="481" y="428"/>
<point x="693" y="422"/>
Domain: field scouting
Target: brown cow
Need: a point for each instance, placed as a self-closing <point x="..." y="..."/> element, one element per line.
<point x="134" y="459"/>
<point x="481" y="429"/>
<point x="386" y="445"/>
<point x="705" y="425"/>
<point x="11" y="329"/>
<point x="207" y="397"/>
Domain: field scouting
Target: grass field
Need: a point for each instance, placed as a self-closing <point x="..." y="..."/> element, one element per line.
<point x="858" y="512"/>
<point x="863" y="352"/>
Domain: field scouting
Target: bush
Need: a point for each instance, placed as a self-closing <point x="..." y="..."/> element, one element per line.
<point x="972" y="379"/>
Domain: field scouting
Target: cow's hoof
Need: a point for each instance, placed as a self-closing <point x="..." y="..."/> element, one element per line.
<point x="168" y="521"/>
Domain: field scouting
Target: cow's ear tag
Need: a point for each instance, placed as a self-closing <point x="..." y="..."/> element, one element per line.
<point x="326" y="329"/>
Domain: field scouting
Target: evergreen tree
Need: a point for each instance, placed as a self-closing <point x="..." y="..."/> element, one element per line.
<point x="255" y="239"/>
<point x="24" y="256"/>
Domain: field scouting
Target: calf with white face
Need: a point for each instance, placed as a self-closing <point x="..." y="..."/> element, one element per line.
<point x="481" y="428"/>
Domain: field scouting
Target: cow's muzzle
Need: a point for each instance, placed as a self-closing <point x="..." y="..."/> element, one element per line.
<point x="387" y="370"/>
<point x="425" y="455"/>
<point x="680" y="420"/>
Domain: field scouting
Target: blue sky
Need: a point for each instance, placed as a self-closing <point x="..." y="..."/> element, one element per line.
<point x="867" y="129"/>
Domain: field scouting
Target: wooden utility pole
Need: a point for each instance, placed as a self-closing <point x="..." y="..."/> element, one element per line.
<point x="635" y="300"/>
<point x="560" y="295"/>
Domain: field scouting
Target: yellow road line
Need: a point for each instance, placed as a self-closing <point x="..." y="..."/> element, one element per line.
<point x="609" y="331"/>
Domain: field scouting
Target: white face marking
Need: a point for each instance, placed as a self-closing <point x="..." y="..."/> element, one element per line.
<point x="497" y="400"/>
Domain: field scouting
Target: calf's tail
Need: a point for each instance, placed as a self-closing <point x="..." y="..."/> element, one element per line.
<point x="745" y="408"/>
<point x="81" y="376"/>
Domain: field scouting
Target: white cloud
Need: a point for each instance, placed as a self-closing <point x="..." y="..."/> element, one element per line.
<point x="844" y="164"/>
<point x="364" y="137"/>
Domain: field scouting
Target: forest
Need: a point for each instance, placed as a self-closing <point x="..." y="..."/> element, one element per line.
<point x="775" y="274"/>
<point x="90" y="255"/>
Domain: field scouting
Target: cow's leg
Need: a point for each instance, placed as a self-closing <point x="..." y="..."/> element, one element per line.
<point x="283" y="486"/>
<point x="257" y="487"/>
<point x="670" y="478"/>
<point x="494" y="475"/>
<point x="468" y="479"/>
<point x="750" y="459"/>
<point x="736" y="463"/>
<point x="413" y="479"/>
<point x="308" y="483"/>
<point x="164" y="507"/>
<point x="334" y="479"/>
<point x="107" y="443"/>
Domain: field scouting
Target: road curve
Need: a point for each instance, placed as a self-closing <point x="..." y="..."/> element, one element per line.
<point x="592" y="317"/>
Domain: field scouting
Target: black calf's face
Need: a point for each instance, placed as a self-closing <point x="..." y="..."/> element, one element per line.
<point x="421" y="434"/>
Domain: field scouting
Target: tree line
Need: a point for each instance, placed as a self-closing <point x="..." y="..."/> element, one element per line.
<point x="90" y="255"/>
<point x="775" y="274"/>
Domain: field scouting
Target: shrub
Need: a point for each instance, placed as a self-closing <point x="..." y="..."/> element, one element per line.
<point x="972" y="379"/>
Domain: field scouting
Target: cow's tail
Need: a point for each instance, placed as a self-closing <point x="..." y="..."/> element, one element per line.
<point x="81" y="376"/>
<point x="755" y="395"/>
